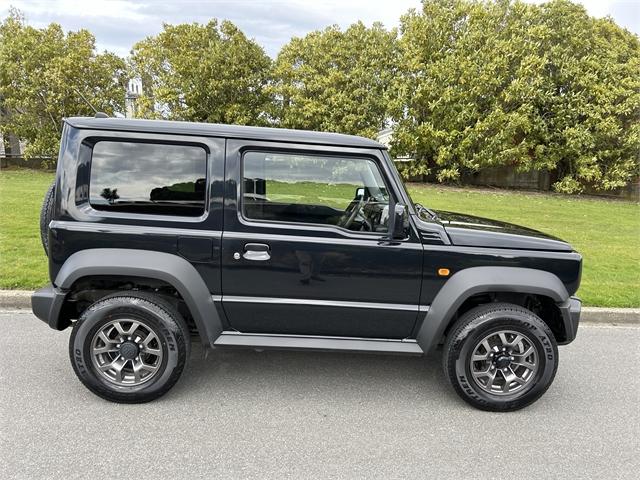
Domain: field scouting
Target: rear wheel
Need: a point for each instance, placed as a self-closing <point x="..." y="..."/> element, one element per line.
<point x="500" y="357"/>
<point x="129" y="347"/>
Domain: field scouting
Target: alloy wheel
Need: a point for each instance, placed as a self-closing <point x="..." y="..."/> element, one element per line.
<point x="504" y="362"/>
<point x="126" y="352"/>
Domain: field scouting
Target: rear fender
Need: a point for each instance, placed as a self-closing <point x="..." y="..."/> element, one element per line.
<point x="169" y="268"/>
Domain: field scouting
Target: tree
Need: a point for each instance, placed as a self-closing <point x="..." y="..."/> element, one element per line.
<point x="110" y="195"/>
<point x="205" y="73"/>
<point x="336" y="81"/>
<point x="46" y="75"/>
<point x="500" y="83"/>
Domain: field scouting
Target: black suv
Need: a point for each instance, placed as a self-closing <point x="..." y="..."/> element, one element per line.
<point x="269" y="238"/>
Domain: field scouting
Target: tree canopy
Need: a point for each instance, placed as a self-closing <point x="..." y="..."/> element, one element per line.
<point x="466" y="85"/>
<point x="336" y="80"/>
<point x="206" y="73"/>
<point x="503" y="83"/>
<point x="46" y="75"/>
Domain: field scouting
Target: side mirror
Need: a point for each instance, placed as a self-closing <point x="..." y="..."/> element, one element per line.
<point x="397" y="222"/>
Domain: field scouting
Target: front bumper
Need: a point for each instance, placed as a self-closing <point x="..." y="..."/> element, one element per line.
<point x="570" y="311"/>
<point x="46" y="304"/>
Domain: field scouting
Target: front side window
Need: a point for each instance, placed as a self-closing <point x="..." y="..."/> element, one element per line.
<point x="345" y="192"/>
<point x="148" y="178"/>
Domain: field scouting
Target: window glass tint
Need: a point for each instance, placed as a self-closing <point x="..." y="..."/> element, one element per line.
<point x="345" y="192"/>
<point x="148" y="178"/>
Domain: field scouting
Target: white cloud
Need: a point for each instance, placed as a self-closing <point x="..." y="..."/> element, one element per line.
<point x="93" y="8"/>
<point x="118" y="24"/>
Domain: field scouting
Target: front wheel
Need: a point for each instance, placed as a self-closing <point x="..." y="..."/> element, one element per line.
<point x="500" y="357"/>
<point x="129" y="347"/>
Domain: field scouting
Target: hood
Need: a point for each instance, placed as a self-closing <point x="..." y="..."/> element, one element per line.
<point x="467" y="230"/>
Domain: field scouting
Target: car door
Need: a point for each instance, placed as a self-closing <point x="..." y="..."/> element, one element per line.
<point x="297" y="260"/>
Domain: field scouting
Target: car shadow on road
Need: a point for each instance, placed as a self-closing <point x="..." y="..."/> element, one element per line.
<point x="310" y="374"/>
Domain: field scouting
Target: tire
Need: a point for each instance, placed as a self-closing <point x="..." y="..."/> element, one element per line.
<point x="161" y="361"/>
<point x="528" y="376"/>
<point x="46" y="214"/>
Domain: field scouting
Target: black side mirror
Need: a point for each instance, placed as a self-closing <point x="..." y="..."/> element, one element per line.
<point x="397" y="222"/>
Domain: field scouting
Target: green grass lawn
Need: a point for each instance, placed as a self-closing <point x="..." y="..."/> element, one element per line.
<point x="606" y="232"/>
<point x="23" y="263"/>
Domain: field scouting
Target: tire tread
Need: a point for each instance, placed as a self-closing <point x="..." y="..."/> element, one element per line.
<point x="46" y="214"/>
<point x="465" y="322"/>
<point x="164" y="310"/>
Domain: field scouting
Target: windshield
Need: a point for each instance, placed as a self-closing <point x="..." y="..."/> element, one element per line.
<point x="423" y="212"/>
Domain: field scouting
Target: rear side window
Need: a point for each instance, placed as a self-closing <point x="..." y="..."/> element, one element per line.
<point x="148" y="178"/>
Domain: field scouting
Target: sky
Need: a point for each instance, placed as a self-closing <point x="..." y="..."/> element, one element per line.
<point x="118" y="24"/>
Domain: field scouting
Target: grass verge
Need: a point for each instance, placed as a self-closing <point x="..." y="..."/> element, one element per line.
<point x="606" y="232"/>
<point x="23" y="263"/>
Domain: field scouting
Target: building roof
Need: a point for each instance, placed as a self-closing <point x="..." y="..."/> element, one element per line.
<point x="219" y="130"/>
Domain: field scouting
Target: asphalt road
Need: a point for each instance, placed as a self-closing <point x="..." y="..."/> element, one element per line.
<point x="244" y="414"/>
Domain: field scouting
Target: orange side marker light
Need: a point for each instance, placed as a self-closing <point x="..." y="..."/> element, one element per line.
<point x="444" y="272"/>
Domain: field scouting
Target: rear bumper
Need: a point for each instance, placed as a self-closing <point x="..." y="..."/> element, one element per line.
<point x="46" y="304"/>
<point x="570" y="311"/>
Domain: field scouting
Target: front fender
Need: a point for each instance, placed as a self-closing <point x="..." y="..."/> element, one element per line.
<point x="169" y="268"/>
<point x="475" y="280"/>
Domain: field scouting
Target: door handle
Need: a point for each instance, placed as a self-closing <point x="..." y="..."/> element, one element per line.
<point x="257" y="252"/>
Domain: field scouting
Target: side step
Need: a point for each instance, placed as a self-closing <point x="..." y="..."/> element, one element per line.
<point x="302" y="342"/>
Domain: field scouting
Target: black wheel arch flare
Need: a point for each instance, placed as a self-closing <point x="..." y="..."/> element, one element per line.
<point x="169" y="268"/>
<point x="475" y="280"/>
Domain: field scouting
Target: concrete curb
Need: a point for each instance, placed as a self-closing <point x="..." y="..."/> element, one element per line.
<point x="12" y="299"/>
<point x="616" y="316"/>
<point x="21" y="299"/>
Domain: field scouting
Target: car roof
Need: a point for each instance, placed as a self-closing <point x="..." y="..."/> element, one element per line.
<point x="220" y="130"/>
